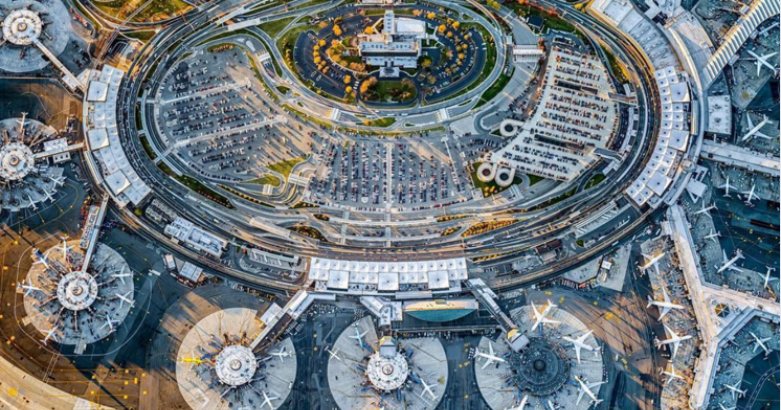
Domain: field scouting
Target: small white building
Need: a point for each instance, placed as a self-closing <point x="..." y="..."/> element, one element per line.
<point x="398" y="45"/>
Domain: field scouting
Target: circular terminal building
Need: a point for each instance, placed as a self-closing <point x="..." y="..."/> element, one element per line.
<point x="29" y="27"/>
<point x="366" y="371"/>
<point x="76" y="305"/>
<point x="26" y="176"/>
<point x="218" y="368"/>
<point x="556" y="364"/>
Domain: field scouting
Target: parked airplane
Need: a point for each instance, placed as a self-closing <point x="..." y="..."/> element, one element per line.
<point x="671" y="375"/>
<point x="760" y="343"/>
<point x="125" y="299"/>
<point x="652" y="261"/>
<point x="714" y="235"/>
<point x="520" y="405"/>
<point x="750" y="196"/>
<point x="580" y="343"/>
<point x="358" y="336"/>
<point x="29" y="288"/>
<point x="726" y="186"/>
<point x="674" y="340"/>
<point x="585" y="389"/>
<point x="705" y="209"/>
<point x="267" y="400"/>
<point x="489" y="357"/>
<point x="427" y="389"/>
<point x="334" y="354"/>
<point x="541" y="317"/>
<point x="664" y="305"/>
<point x="767" y="278"/>
<point x="730" y="263"/>
<point x="762" y="60"/>
<point x="756" y="130"/>
<point x="735" y="390"/>
<point x="281" y="354"/>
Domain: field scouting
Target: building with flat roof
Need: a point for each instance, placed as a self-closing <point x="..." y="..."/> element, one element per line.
<point x="440" y="310"/>
<point x="398" y="45"/>
<point x="196" y="238"/>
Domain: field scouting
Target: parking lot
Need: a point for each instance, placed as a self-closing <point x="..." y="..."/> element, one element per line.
<point x="375" y="174"/>
<point x="215" y="116"/>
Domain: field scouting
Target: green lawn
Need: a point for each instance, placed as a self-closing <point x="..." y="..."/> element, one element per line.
<point x="595" y="180"/>
<point x="286" y="166"/>
<point x="276" y="26"/>
<point x="494" y="89"/>
<point x="196" y="186"/>
<point x="491" y="187"/>
<point x="380" y="122"/>
<point x="142" y="35"/>
<point x="616" y="67"/>
<point x="266" y="180"/>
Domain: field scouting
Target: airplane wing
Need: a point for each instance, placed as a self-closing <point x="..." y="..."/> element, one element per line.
<point x="491" y="349"/>
<point x="580" y="395"/>
<point x="487" y="362"/>
<point x="577" y="352"/>
<point x="675" y="348"/>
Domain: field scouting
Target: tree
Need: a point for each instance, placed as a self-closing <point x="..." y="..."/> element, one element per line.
<point x="321" y="43"/>
<point x="337" y="30"/>
<point x="348" y="90"/>
<point x="456" y="24"/>
<point x="441" y="29"/>
<point x="348" y="79"/>
<point x="369" y="30"/>
<point x="431" y="15"/>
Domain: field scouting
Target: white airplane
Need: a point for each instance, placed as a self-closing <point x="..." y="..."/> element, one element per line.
<point x="755" y="130"/>
<point x="40" y="258"/>
<point x="735" y="390"/>
<point x="652" y="260"/>
<point x="580" y="343"/>
<point x="29" y="288"/>
<point x="750" y="196"/>
<point x="705" y="209"/>
<point x="674" y="340"/>
<point x="520" y="405"/>
<point x="48" y="197"/>
<point x="50" y="335"/>
<point x="125" y="299"/>
<point x="726" y="186"/>
<point x="489" y="357"/>
<point x="358" y="336"/>
<point x="267" y="401"/>
<point x="664" y="305"/>
<point x="671" y="375"/>
<point x="427" y="389"/>
<point x="714" y="235"/>
<point x="541" y="317"/>
<point x="760" y="343"/>
<point x="761" y="60"/>
<point x="334" y="354"/>
<point x="585" y="389"/>
<point x="767" y="278"/>
<point x="730" y="264"/>
<point x="281" y="354"/>
<point x="721" y="406"/>
<point x="109" y="324"/>
<point x="122" y="275"/>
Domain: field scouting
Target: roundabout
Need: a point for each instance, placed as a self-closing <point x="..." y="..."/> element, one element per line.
<point x="340" y="158"/>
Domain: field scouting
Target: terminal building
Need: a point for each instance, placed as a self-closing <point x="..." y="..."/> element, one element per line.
<point x="399" y="45"/>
